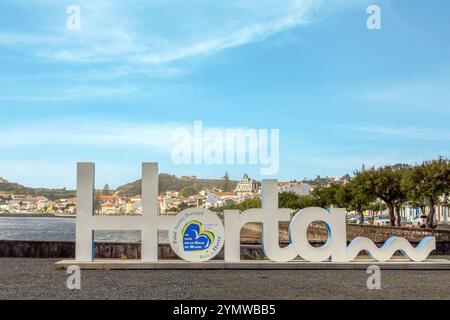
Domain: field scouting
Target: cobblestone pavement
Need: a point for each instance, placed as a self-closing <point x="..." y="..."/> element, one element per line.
<point x="39" y="279"/>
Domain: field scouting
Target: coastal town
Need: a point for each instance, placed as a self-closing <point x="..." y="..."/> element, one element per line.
<point x="170" y="202"/>
<point x="243" y="194"/>
<point x="110" y="202"/>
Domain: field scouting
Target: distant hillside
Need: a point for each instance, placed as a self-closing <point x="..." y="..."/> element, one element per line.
<point x="166" y="182"/>
<point x="172" y="183"/>
<point x="51" y="194"/>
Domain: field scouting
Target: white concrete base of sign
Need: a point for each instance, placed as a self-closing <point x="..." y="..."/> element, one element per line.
<point x="361" y="264"/>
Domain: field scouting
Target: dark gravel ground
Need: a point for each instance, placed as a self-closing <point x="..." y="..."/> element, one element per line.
<point x="39" y="279"/>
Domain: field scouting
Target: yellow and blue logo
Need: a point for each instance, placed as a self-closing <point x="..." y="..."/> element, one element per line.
<point x="195" y="238"/>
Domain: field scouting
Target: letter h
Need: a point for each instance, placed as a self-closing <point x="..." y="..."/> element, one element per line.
<point x="88" y="222"/>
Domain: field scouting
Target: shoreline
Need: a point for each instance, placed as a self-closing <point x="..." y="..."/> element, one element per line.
<point x="34" y="215"/>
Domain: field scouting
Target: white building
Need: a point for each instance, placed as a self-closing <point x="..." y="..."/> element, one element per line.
<point x="164" y="203"/>
<point x="442" y="214"/>
<point x="247" y="186"/>
<point x="108" y="208"/>
<point x="220" y="199"/>
<point x="42" y="203"/>
<point x="30" y="207"/>
<point x="300" y="189"/>
<point x="136" y="207"/>
<point x="211" y="201"/>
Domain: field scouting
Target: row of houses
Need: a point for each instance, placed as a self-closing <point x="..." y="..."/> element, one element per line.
<point x="16" y="203"/>
<point x="247" y="188"/>
<point x="169" y="203"/>
<point x="172" y="202"/>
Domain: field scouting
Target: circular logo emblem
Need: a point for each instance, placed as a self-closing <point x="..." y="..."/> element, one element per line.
<point x="198" y="235"/>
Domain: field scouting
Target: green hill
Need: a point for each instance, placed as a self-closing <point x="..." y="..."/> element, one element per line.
<point x="166" y="182"/>
<point x="172" y="183"/>
<point x="51" y="194"/>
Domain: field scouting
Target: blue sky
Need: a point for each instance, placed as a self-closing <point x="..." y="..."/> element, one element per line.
<point x="113" y="91"/>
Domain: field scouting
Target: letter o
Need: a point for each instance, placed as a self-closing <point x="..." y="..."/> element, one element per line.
<point x="298" y="233"/>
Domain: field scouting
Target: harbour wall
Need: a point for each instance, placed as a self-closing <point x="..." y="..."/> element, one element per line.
<point x="107" y="250"/>
<point x="250" y="245"/>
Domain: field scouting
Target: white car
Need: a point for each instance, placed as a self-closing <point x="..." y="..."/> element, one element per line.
<point x="420" y="222"/>
<point x="357" y="220"/>
<point x="382" y="220"/>
<point x="353" y="220"/>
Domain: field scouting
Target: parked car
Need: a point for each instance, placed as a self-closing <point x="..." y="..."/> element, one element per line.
<point x="356" y="219"/>
<point x="420" y="222"/>
<point x="353" y="219"/>
<point x="382" y="220"/>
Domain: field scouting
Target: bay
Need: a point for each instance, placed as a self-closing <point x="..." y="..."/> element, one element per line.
<point x="59" y="229"/>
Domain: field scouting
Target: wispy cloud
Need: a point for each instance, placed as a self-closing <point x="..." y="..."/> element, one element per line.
<point x="430" y="94"/>
<point x="61" y="173"/>
<point x="78" y="92"/>
<point x="409" y="133"/>
<point x="23" y="39"/>
<point x="70" y="132"/>
<point x="297" y="14"/>
<point x="107" y="33"/>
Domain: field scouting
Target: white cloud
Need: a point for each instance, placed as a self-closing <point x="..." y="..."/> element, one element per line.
<point x="297" y="15"/>
<point x="115" y="31"/>
<point x="42" y="174"/>
<point x="415" y="133"/>
<point x="13" y="39"/>
<point x="431" y="94"/>
<point x="69" y="132"/>
<point x="61" y="173"/>
<point x="72" y="93"/>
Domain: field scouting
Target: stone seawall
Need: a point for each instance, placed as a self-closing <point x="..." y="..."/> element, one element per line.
<point x="318" y="232"/>
<point x="103" y="250"/>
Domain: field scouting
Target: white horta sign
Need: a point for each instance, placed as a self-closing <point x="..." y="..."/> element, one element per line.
<point x="198" y="235"/>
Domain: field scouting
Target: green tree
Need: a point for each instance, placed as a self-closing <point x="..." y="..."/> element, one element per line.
<point x="188" y="191"/>
<point x="183" y="206"/>
<point x="172" y="209"/>
<point x="249" y="204"/>
<point x="307" y="202"/>
<point x="325" y="197"/>
<point x="288" y="200"/>
<point x="379" y="206"/>
<point x="386" y="184"/>
<point x="354" y="197"/>
<point x="429" y="183"/>
<point x="243" y="206"/>
<point x="402" y="196"/>
<point x="97" y="203"/>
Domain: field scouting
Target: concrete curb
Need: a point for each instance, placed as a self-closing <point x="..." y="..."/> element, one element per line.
<point x="397" y="264"/>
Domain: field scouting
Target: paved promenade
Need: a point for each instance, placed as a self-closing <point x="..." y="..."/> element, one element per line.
<point x="38" y="279"/>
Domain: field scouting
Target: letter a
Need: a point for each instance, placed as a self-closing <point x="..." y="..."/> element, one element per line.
<point x="374" y="20"/>
<point x="74" y="19"/>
